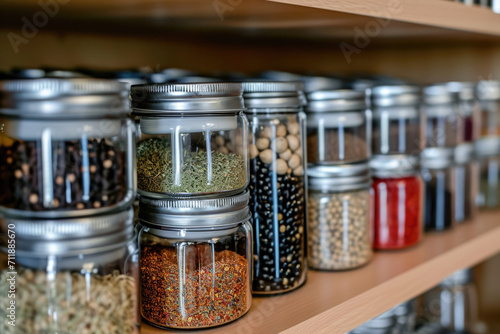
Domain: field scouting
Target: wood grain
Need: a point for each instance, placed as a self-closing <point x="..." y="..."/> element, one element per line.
<point x="336" y="302"/>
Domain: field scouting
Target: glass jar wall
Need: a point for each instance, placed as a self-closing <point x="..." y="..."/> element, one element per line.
<point x="466" y="183"/>
<point x="339" y="217"/>
<point x="337" y="127"/>
<point x="71" y="275"/>
<point x="66" y="151"/>
<point x="488" y="94"/>
<point x="396" y="120"/>
<point x="195" y="261"/>
<point x="277" y="185"/>
<point x="193" y="139"/>
<point x="468" y="109"/>
<point x="398" y="202"/>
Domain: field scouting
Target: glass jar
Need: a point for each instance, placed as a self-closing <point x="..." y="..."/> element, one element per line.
<point x="466" y="183"/>
<point x="339" y="217"/>
<point x="385" y="323"/>
<point x="398" y="201"/>
<point x="453" y="303"/>
<point x="488" y="94"/>
<point x="338" y="127"/>
<point x="277" y="185"/>
<point x="195" y="261"/>
<point x="396" y="120"/>
<point x="438" y="173"/>
<point x="487" y="151"/>
<point x="468" y="109"/>
<point x="193" y="139"/>
<point x="443" y="122"/>
<point x="72" y="275"/>
<point x="66" y="147"/>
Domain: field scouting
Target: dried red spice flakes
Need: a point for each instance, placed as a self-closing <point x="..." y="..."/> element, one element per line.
<point x="392" y="194"/>
<point x="207" y="301"/>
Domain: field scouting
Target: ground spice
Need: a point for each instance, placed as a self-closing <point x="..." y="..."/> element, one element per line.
<point x="105" y="304"/>
<point x="206" y="300"/>
<point x="397" y="212"/>
<point x="345" y="146"/>
<point x="155" y="173"/>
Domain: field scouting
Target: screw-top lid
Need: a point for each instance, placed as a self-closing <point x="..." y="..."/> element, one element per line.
<point x="339" y="177"/>
<point x="394" y="166"/>
<point x="195" y="212"/>
<point x="460" y="277"/>
<point x="487" y="146"/>
<point x="274" y="95"/>
<point x="464" y="153"/>
<point x="186" y="98"/>
<point x="439" y="94"/>
<point x="394" y="95"/>
<point x="336" y="100"/>
<point x="311" y="83"/>
<point x="66" y="237"/>
<point x="488" y="90"/>
<point x="63" y="98"/>
<point x="437" y="157"/>
<point x="465" y="90"/>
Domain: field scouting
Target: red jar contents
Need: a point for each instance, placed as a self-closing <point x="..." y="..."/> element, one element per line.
<point x="397" y="212"/>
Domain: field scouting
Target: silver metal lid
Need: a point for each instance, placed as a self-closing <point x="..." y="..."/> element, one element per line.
<point x="487" y="146"/>
<point x="460" y="277"/>
<point x="488" y="90"/>
<point x="336" y="100"/>
<point x="40" y="238"/>
<point x="464" y="89"/>
<point x="464" y="153"/>
<point x="311" y="83"/>
<point x="394" y="166"/>
<point x="339" y="177"/>
<point x="394" y="95"/>
<point x="194" y="212"/>
<point x="186" y="98"/>
<point x="63" y="98"/>
<point x="275" y="95"/>
<point x="439" y="94"/>
<point x="437" y="157"/>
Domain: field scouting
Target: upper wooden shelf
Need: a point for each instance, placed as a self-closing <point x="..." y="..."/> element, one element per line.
<point x="336" y="302"/>
<point x="244" y="20"/>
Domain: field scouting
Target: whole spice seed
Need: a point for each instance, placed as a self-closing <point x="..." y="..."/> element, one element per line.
<point x="76" y="304"/>
<point x="155" y="170"/>
<point x="21" y="175"/>
<point x="339" y="230"/>
<point x="398" y="210"/>
<point x="338" y="146"/>
<point x="277" y="204"/>
<point x="212" y="294"/>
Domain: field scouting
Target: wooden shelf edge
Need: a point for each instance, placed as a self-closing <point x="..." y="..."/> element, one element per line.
<point x="435" y="13"/>
<point x="356" y="311"/>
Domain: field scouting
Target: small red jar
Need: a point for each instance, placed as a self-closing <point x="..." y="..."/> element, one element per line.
<point x="398" y="202"/>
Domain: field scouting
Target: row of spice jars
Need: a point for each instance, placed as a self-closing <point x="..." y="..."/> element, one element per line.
<point x="69" y="275"/>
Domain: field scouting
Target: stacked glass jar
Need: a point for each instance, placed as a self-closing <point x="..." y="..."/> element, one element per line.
<point x="466" y="167"/>
<point x="488" y="144"/>
<point x="66" y="178"/>
<point x="277" y="184"/>
<point x="338" y="147"/>
<point x="195" y="238"/>
<point x="443" y="132"/>
<point x="397" y="185"/>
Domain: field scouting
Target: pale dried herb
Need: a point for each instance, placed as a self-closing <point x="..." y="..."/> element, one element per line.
<point x="155" y="170"/>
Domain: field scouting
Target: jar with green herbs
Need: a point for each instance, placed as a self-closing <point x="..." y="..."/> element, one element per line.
<point x="277" y="184"/>
<point x="66" y="147"/>
<point x="338" y="127"/>
<point x="195" y="261"/>
<point x="74" y="275"/>
<point x="194" y="139"/>
<point x="339" y="217"/>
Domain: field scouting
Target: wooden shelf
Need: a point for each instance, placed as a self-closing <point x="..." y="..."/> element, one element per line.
<point x="338" y="302"/>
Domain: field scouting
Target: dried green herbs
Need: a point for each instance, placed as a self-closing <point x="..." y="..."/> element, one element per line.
<point x="74" y="303"/>
<point x="155" y="171"/>
<point x="208" y="295"/>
